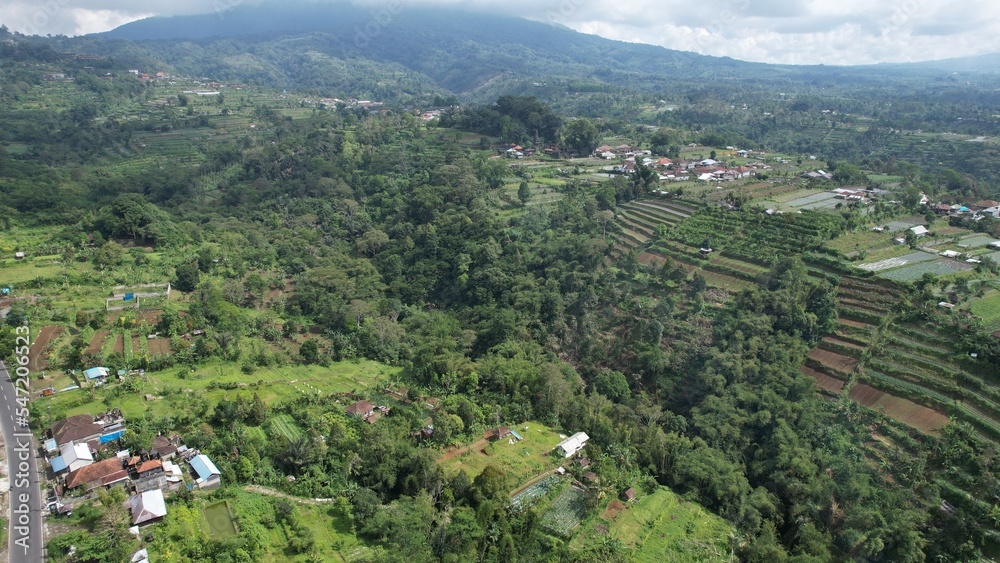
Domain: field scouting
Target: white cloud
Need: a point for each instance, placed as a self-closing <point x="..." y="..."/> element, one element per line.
<point x="797" y="31"/>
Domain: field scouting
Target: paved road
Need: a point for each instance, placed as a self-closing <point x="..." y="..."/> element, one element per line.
<point x="26" y="544"/>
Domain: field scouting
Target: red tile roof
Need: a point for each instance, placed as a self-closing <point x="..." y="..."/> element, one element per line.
<point x="93" y="472"/>
<point x="151" y="465"/>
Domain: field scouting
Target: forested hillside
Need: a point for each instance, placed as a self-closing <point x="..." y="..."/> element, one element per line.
<point x="322" y="256"/>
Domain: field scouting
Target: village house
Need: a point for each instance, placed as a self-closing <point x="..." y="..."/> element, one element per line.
<point x="499" y="433"/>
<point x="97" y="375"/>
<point x="207" y="475"/>
<point x="147" y="507"/>
<point x="101" y="474"/>
<point x="74" y="456"/>
<point x="79" y="428"/>
<point x="149" y="468"/>
<point x="361" y="409"/>
<point x="573" y="444"/>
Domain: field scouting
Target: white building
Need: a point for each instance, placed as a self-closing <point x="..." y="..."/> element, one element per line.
<point x="573" y="444"/>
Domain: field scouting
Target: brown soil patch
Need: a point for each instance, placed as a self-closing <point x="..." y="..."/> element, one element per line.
<point x="838" y="342"/>
<point x="823" y="381"/>
<point x="833" y="360"/>
<point x="922" y="418"/>
<point x="136" y="344"/>
<point x="152" y="318"/>
<point x="38" y="353"/>
<point x="647" y="258"/>
<point x="454" y="452"/>
<point x="613" y="510"/>
<point x="97" y="342"/>
<point x="159" y="347"/>
<point x="119" y="345"/>
<point x="855" y="324"/>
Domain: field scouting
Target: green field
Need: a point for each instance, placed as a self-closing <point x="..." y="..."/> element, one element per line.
<point x="219" y="521"/>
<point x="987" y="308"/>
<point x="662" y="527"/>
<point x="521" y="460"/>
<point x="283" y="425"/>
<point x="177" y="384"/>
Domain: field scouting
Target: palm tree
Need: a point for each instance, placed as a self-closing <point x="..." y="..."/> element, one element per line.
<point x="297" y="453"/>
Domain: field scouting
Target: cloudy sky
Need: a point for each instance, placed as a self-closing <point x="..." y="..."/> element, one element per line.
<point x="779" y="31"/>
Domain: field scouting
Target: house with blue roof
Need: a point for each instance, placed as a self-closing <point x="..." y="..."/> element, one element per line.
<point x="207" y="475"/>
<point x="73" y="456"/>
<point x="96" y="375"/>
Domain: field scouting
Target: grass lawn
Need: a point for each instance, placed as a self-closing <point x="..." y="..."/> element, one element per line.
<point x="271" y="383"/>
<point x="521" y="461"/>
<point x="659" y="526"/>
<point x="20" y="271"/>
<point x="987" y="308"/>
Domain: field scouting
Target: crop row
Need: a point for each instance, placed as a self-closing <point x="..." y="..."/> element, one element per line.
<point x="912" y="391"/>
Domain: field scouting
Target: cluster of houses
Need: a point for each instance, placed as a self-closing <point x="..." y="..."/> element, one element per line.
<point x="568" y="448"/>
<point x="83" y="458"/>
<point x="976" y="210"/>
<point x="707" y="170"/>
<point x="367" y="411"/>
<point x="678" y="170"/>
<point x="349" y="102"/>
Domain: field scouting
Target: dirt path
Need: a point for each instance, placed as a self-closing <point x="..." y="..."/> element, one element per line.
<point x="475" y="446"/>
<point x="273" y="493"/>
<point x="37" y="356"/>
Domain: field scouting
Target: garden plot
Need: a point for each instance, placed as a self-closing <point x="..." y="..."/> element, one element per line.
<point x="527" y="496"/>
<point x="820" y="200"/>
<point x="918" y="416"/>
<point x="896" y="226"/>
<point x="917" y="271"/>
<point x="912" y="258"/>
<point x="977" y="241"/>
<point x="565" y="512"/>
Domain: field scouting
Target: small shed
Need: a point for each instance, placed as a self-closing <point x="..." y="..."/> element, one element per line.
<point x="629" y="494"/>
<point x="501" y="433"/>
<point x="18" y="256"/>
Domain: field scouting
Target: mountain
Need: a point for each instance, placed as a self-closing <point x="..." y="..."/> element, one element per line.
<point x="413" y="53"/>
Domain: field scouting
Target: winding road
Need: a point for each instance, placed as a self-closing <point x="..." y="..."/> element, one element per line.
<point x="25" y="541"/>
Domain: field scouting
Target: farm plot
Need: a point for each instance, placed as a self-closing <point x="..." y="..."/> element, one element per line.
<point x="38" y="353"/>
<point x="283" y="425"/>
<point x="528" y="495"/>
<point x="119" y="344"/>
<point x="912" y="258"/>
<point x="920" y="417"/>
<point x="976" y="241"/>
<point x="896" y="226"/>
<point x="565" y="512"/>
<point x="97" y="343"/>
<point x="662" y="527"/>
<point x="987" y="308"/>
<point x="941" y="267"/>
<point x="159" y="347"/>
<point x="833" y="361"/>
<point x="829" y="384"/>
